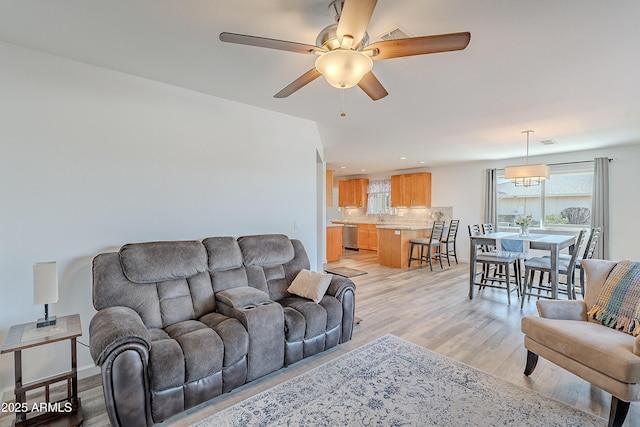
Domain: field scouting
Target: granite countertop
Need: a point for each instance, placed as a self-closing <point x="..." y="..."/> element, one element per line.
<point x="404" y="227"/>
<point x="335" y="225"/>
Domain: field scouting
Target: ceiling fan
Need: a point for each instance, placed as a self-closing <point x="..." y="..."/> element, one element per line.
<point x="344" y="55"/>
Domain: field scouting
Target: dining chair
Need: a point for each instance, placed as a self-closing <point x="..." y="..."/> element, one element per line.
<point x="449" y="243"/>
<point x="542" y="265"/>
<point x="589" y="250"/>
<point x="487" y="228"/>
<point x="497" y="267"/>
<point x="432" y="245"/>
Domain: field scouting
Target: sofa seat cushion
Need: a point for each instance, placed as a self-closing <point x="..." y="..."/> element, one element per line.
<point x="591" y="344"/>
<point x="233" y="334"/>
<point x="189" y="352"/>
<point x="304" y="319"/>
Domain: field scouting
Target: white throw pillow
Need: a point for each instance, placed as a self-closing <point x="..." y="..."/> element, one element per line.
<point x="309" y="284"/>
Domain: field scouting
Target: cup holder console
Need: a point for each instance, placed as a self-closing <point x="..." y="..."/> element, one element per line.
<point x="252" y="306"/>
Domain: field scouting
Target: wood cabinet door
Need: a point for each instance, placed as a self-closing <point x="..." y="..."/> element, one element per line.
<point x="347" y="193"/>
<point x="373" y="237"/>
<point x="421" y="189"/>
<point x="361" y="193"/>
<point x="397" y="190"/>
<point x="334" y="243"/>
<point x="363" y="236"/>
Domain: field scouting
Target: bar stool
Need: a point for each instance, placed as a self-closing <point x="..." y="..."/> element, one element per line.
<point x="432" y="244"/>
<point x="449" y="242"/>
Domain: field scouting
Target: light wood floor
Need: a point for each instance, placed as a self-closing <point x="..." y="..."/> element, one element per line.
<point x="431" y="309"/>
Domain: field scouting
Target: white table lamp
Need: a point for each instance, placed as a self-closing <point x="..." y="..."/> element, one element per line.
<point x="45" y="289"/>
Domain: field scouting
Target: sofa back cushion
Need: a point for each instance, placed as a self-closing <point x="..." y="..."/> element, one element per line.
<point x="165" y="282"/>
<point x="272" y="261"/>
<point x="225" y="263"/>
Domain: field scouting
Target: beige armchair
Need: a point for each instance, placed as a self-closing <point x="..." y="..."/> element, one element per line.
<point x="603" y="356"/>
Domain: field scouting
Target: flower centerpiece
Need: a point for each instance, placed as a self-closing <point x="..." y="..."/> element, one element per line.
<point x="524" y="222"/>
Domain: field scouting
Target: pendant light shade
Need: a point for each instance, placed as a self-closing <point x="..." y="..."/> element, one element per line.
<point x="343" y="68"/>
<point x="527" y="175"/>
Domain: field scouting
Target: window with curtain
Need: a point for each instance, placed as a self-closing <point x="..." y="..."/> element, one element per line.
<point x="379" y="197"/>
<point x="564" y="200"/>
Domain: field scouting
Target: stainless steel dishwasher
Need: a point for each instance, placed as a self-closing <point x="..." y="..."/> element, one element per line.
<point x="350" y="236"/>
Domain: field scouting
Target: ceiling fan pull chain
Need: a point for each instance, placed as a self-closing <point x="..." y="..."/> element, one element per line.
<point x="342" y="113"/>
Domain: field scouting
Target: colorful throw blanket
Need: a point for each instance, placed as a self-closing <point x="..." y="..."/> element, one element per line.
<point x="618" y="303"/>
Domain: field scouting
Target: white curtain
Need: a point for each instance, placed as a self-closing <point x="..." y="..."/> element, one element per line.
<point x="376" y="187"/>
<point x="491" y="198"/>
<point x="600" y="205"/>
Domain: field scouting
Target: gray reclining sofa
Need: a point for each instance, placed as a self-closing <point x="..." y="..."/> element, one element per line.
<point x="182" y="322"/>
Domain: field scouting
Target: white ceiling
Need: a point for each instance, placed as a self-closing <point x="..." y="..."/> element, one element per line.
<point x="568" y="69"/>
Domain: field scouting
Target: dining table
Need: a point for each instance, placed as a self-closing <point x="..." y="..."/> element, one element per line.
<point x="553" y="243"/>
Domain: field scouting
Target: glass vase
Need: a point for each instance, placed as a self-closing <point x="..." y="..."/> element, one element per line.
<point x="524" y="231"/>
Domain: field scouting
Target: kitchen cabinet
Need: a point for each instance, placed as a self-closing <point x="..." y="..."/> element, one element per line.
<point x="368" y="237"/>
<point x="334" y="242"/>
<point x="411" y="190"/>
<point x="352" y="193"/>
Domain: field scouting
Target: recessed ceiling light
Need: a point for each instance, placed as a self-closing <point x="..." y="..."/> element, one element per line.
<point x="363" y="170"/>
<point x="343" y="167"/>
<point x="422" y="162"/>
<point x="403" y="158"/>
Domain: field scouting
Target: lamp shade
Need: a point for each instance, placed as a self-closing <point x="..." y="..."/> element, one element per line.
<point x="343" y="68"/>
<point x="527" y="175"/>
<point x="45" y="283"/>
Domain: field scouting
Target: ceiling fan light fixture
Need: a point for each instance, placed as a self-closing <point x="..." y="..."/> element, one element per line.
<point x="343" y="68"/>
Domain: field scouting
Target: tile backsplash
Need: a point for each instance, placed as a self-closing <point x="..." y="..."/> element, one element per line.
<point x="399" y="216"/>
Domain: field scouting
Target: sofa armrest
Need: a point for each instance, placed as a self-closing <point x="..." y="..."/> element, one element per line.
<point x="339" y="285"/>
<point x="636" y="346"/>
<point x="343" y="289"/>
<point x="112" y="327"/>
<point x="562" y="309"/>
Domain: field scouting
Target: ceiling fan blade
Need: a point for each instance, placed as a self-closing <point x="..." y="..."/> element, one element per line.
<point x="419" y="45"/>
<point x="269" y="43"/>
<point x="354" y="20"/>
<point x="300" y="82"/>
<point x="372" y="86"/>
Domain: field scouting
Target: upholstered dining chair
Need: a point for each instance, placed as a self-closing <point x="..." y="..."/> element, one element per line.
<point x="543" y="266"/>
<point x="432" y="245"/>
<point x="497" y="267"/>
<point x="449" y="242"/>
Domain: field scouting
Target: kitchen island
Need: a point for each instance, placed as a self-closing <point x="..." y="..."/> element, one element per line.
<point x="394" y="243"/>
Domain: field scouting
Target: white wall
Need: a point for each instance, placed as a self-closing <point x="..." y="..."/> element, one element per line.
<point x="91" y="159"/>
<point x="462" y="186"/>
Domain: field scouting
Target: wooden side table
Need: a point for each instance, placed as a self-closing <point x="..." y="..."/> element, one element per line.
<point x="65" y="412"/>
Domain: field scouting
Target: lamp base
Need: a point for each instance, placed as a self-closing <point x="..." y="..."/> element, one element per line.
<point x="46" y="321"/>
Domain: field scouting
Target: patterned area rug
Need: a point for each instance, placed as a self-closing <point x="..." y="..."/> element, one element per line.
<point x="392" y="382"/>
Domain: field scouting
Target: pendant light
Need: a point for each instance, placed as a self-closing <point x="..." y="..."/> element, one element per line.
<point x="527" y="175"/>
